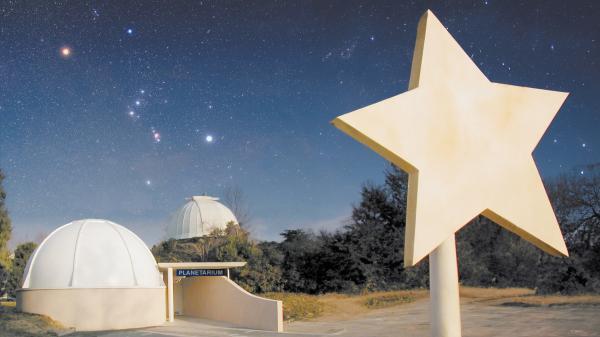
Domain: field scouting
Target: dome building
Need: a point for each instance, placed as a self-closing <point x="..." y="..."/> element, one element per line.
<point x="199" y="217"/>
<point x="97" y="275"/>
<point x="92" y="274"/>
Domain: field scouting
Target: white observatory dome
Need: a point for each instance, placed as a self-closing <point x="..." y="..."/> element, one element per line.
<point x="198" y="217"/>
<point x="92" y="253"/>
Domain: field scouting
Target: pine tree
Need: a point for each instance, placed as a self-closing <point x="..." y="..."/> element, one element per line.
<point x="376" y="235"/>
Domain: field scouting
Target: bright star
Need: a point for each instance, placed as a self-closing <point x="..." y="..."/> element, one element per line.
<point x="155" y="135"/>
<point x="129" y="31"/>
<point x="583" y="145"/>
<point x="138" y="102"/>
<point x="65" y="52"/>
<point x="131" y="113"/>
<point x="209" y="139"/>
<point x="148" y="182"/>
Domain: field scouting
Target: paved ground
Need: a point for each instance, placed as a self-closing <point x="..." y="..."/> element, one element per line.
<point x="411" y="320"/>
<point x="479" y="320"/>
<point x="191" y="327"/>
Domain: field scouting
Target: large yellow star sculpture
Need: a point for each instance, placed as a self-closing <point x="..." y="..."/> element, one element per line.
<point x="467" y="145"/>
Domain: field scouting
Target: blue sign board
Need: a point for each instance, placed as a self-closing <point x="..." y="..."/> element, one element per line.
<point x="201" y="272"/>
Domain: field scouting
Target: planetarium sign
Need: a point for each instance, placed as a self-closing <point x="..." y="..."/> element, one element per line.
<point x="201" y="272"/>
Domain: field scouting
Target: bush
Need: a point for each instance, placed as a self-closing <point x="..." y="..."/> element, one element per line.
<point x="262" y="272"/>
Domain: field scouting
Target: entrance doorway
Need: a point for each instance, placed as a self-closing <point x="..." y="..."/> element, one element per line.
<point x="204" y="290"/>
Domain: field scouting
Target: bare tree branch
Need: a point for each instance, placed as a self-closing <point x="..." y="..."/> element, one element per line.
<point x="235" y="199"/>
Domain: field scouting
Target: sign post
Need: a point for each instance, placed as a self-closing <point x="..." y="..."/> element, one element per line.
<point x="443" y="283"/>
<point x="466" y="144"/>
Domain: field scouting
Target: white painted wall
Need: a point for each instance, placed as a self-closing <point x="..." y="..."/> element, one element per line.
<point x="97" y="309"/>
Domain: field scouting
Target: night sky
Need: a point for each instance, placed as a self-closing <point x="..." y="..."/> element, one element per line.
<point x="120" y="111"/>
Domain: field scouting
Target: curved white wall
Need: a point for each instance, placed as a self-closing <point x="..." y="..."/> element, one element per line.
<point x="97" y="308"/>
<point x="220" y="299"/>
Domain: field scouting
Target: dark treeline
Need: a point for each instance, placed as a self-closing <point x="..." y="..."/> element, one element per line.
<point x="367" y="253"/>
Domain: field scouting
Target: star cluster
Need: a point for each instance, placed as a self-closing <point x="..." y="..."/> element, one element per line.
<point x="121" y="110"/>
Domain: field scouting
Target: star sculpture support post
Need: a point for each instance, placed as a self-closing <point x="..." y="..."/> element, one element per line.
<point x="467" y="146"/>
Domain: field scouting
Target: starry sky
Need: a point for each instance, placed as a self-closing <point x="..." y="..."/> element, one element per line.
<point x="122" y="109"/>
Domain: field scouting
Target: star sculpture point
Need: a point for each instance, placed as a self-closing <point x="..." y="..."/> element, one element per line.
<point x="466" y="144"/>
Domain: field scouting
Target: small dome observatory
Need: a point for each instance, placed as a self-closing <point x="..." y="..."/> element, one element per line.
<point x="91" y="274"/>
<point x="198" y="217"/>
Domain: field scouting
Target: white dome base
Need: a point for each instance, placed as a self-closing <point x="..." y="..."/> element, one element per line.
<point x="97" y="309"/>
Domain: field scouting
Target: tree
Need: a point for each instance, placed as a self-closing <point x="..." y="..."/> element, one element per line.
<point x="376" y="234"/>
<point x="5" y="226"/>
<point x="489" y="255"/>
<point x="337" y="268"/>
<point x="576" y="200"/>
<point x="22" y="254"/>
<point x="262" y="272"/>
<point x="367" y="254"/>
<point x="5" y="233"/>
<point x="235" y="199"/>
<point x="299" y="248"/>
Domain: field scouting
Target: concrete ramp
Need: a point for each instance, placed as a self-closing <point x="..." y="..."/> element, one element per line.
<point x="220" y="299"/>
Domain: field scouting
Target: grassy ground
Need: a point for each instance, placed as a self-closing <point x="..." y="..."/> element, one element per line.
<point x="16" y="324"/>
<point x="524" y="297"/>
<point x="387" y="300"/>
<point x="340" y="306"/>
<point x="297" y="307"/>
